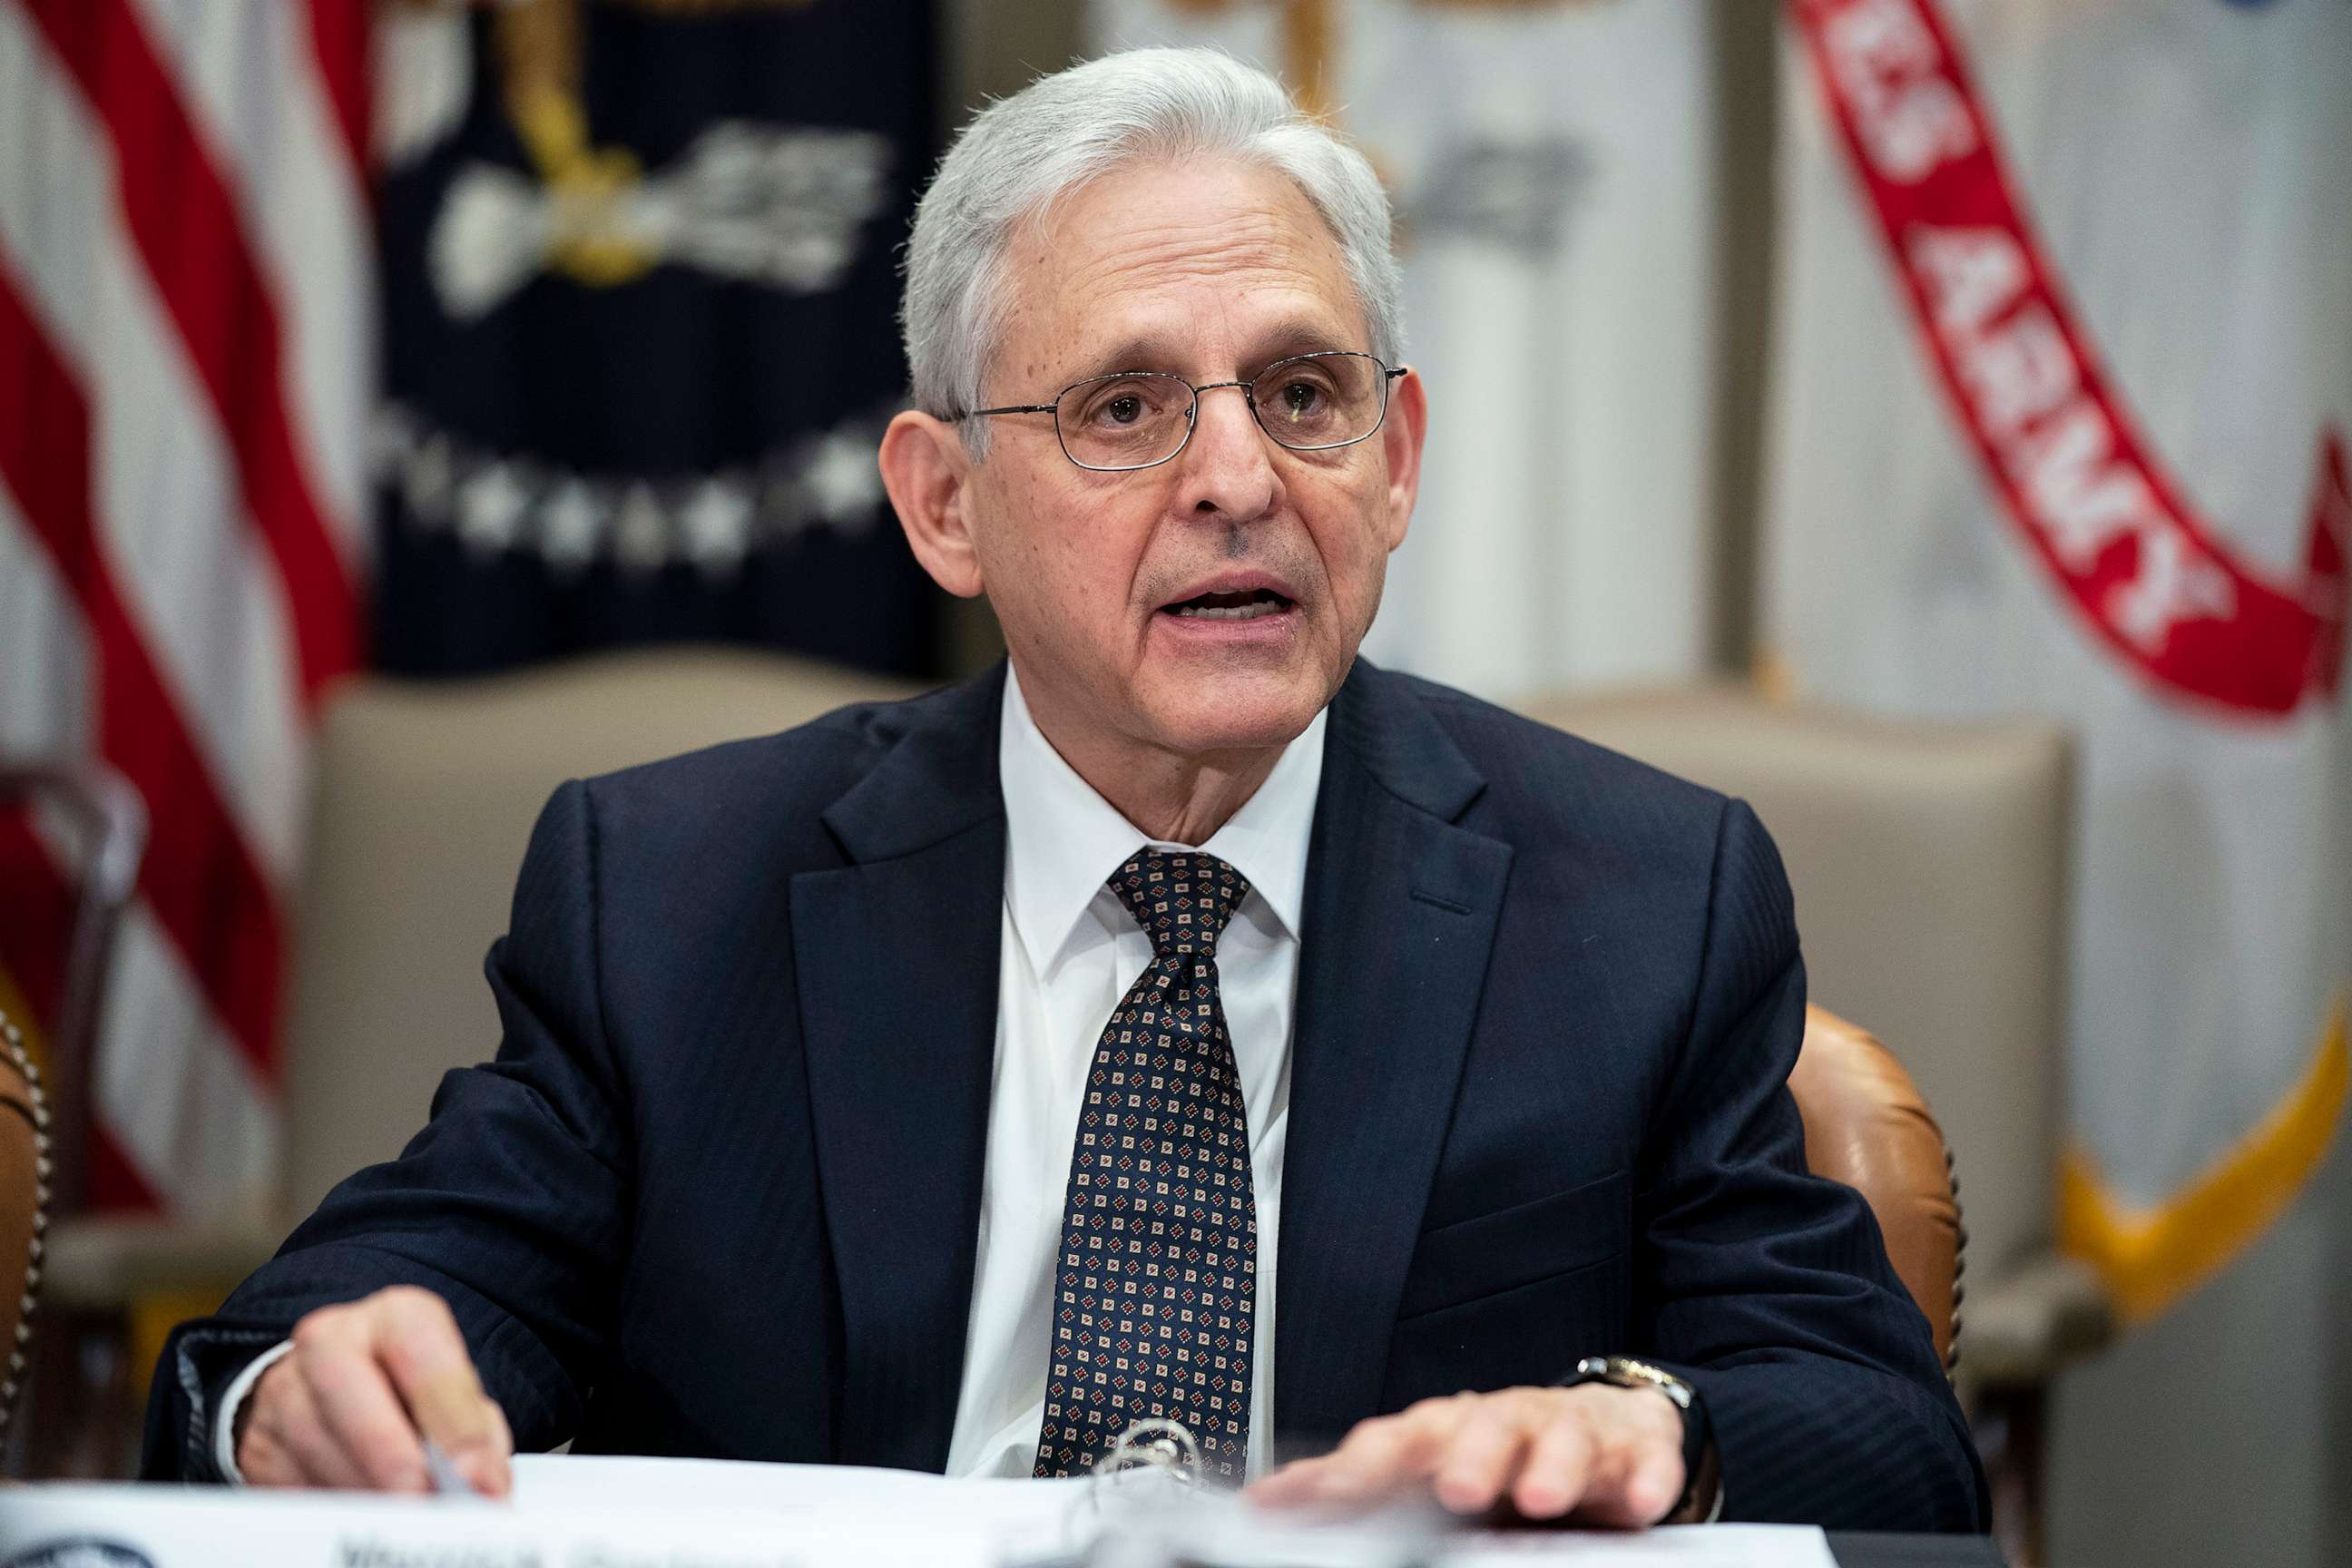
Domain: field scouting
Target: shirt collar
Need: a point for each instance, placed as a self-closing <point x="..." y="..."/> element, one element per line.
<point x="1063" y="839"/>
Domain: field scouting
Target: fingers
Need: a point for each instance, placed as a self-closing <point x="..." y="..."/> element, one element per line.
<point x="1378" y="1456"/>
<point x="1651" y="1489"/>
<point x="490" y="1469"/>
<point x="1381" y="1456"/>
<point x="335" y="1353"/>
<point x="282" y="1440"/>
<point x="420" y="1347"/>
<point x="1610" y="1457"/>
<point x="1597" y="1456"/>
<point x="1295" y="1484"/>
<point x="363" y="1387"/>
<point x="1560" y="1465"/>
<point x="1483" y="1455"/>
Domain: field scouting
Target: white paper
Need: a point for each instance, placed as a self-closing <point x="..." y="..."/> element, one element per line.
<point x="599" y="1512"/>
<point x="1680" y="1546"/>
<point x="210" y="1527"/>
<point x="848" y="1491"/>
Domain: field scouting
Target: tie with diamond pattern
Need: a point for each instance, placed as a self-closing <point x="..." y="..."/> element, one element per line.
<point x="1156" y="1286"/>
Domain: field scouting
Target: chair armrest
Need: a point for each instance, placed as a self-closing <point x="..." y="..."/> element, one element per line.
<point x="2027" y="1323"/>
<point x="103" y="1263"/>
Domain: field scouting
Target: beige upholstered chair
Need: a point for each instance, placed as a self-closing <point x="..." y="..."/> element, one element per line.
<point x="424" y="797"/>
<point x="1930" y="870"/>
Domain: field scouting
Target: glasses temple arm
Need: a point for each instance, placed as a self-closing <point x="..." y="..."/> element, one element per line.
<point x="1008" y="408"/>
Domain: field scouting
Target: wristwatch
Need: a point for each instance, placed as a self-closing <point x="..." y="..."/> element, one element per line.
<point x="1698" y="1446"/>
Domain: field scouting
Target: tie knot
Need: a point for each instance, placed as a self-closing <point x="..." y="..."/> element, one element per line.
<point x="1181" y="900"/>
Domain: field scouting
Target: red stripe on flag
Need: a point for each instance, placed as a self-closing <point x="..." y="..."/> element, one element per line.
<point x="200" y="882"/>
<point x="187" y="227"/>
<point x="338" y="35"/>
<point x="115" y="1185"/>
<point x="35" y="918"/>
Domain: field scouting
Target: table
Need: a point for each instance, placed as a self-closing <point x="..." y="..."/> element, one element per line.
<point x="1867" y="1548"/>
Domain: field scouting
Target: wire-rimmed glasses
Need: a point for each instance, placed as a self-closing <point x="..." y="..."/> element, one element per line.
<point x="1141" y="418"/>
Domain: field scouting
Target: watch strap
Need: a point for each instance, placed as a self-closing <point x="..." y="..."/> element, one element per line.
<point x="1698" y="1437"/>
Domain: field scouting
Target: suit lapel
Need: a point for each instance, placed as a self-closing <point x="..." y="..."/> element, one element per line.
<point x="896" y="956"/>
<point x="1401" y="910"/>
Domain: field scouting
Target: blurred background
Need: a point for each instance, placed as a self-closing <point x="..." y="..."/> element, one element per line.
<point x="1925" y="417"/>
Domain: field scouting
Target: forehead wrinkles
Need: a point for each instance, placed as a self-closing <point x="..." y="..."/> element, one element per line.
<point x="1093" y="255"/>
<point x="1257" y="247"/>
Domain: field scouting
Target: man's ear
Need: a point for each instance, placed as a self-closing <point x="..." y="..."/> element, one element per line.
<point x="927" y="473"/>
<point x="1401" y="436"/>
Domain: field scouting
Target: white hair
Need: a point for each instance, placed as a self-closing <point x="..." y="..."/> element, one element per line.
<point x="1021" y="154"/>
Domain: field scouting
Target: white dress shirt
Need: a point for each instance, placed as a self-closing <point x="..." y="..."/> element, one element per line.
<point x="1070" y="950"/>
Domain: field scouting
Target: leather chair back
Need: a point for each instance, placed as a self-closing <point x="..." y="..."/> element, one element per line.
<point x="101" y="833"/>
<point x="1866" y="1125"/>
<point x="23" y="1204"/>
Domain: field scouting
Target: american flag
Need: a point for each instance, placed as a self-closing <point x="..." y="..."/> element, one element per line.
<point x="185" y="309"/>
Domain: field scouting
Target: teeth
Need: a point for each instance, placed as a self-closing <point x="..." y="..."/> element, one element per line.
<point x="1248" y="612"/>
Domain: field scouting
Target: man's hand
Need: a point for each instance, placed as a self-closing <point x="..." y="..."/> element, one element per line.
<point x="365" y="1384"/>
<point x="1595" y="1454"/>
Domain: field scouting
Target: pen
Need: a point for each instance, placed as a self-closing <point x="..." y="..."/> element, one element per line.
<point x="443" y="1474"/>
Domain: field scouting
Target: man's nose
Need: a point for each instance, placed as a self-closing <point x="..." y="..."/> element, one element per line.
<point x="1229" y="462"/>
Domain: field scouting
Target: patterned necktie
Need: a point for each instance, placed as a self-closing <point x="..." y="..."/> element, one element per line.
<point x="1157" y="1285"/>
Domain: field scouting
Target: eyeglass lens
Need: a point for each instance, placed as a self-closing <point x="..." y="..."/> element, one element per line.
<point x="1138" y="418"/>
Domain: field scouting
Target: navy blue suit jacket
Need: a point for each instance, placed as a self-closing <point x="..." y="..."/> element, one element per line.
<point x="719" y="1191"/>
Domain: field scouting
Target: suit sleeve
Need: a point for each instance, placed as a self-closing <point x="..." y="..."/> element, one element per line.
<point x="1769" y="1288"/>
<point x="511" y="1204"/>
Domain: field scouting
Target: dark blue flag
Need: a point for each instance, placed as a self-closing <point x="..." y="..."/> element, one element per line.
<point x="639" y="278"/>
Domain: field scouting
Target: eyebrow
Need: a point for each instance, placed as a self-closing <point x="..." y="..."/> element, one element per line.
<point x="1151" y="351"/>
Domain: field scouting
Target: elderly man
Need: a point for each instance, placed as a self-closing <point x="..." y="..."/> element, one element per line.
<point x="1188" y="1020"/>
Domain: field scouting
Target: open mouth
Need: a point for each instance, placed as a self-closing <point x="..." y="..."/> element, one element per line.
<point x="1251" y="604"/>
